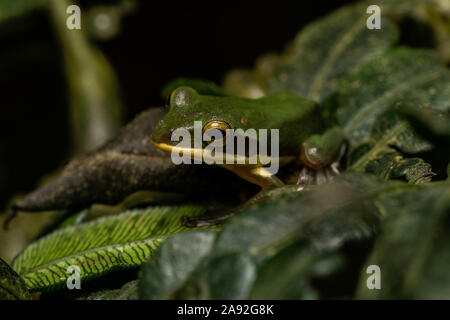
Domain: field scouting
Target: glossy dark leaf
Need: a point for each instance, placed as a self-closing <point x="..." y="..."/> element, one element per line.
<point x="316" y="229"/>
<point x="433" y="125"/>
<point x="224" y="277"/>
<point x="282" y="221"/>
<point x="12" y="287"/>
<point x="390" y="138"/>
<point x="400" y="75"/>
<point x="328" y="50"/>
<point x="288" y="274"/>
<point x="366" y="103"/>
<point x="413" y="248"/>
<point x="172" y="265"/>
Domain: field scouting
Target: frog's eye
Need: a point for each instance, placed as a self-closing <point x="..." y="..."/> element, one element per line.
<point x="169" y="98"/>
<point x="219" y="125"/>
<point x="180" y="97"/>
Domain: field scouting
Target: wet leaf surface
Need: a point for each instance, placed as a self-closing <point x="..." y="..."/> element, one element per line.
<point x="412" y="249"/>
<point x="99" y="247"/>
<point x="12" y="287"/>
<point x="328" y="50"/>
<point x="293" y="242"/>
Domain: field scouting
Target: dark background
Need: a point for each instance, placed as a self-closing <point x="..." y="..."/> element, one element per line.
<point x="156" y="43"/>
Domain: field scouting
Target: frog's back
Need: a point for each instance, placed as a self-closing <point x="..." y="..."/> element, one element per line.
<point x="295" y="117"/>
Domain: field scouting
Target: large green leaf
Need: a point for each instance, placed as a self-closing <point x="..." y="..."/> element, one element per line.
<point x="12" y="287"/>
<point x="292" y="240"/>
<point x="298" y="266"/>
<point x="281" y="249"/>
<point x="434" y="125"/>
<point x="278" y="223"/>
<point x="382" y="156"/>
<point x="328" y="50"/>
<point x="426" y="21"/>
<point x="224" y="277"/>
<point x="413" y="248"/>
<point x="173" y="264"/>
<point x="403" y="74"/>
<point x="98" y="247"/>
<point x="313" y="229"/>
<point x="365" y="105"/>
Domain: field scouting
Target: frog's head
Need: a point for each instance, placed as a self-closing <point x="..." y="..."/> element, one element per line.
<point x="186" y="106"/>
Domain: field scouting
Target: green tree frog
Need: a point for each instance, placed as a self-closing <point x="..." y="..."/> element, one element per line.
<point x="298" y="120"/>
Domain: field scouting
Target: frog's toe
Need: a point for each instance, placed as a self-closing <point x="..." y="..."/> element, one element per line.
<point x="306" y="176"/>
<point x="204" y="221"/>
<point x="311" y="176"/>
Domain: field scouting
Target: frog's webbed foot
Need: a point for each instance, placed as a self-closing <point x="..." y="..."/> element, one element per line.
<point x="321" y="156"/>
<point x="311" y="176"/>
<point x="205" y="221"/>
<point x="325" y="174"/>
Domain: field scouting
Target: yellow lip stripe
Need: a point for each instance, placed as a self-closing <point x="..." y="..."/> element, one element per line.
<point x="200" y="155"/>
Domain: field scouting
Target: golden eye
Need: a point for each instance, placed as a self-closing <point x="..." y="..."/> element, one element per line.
<point x="216" y="124"/>
<point x="169" y="98"/>
<point x="222" y="126"/>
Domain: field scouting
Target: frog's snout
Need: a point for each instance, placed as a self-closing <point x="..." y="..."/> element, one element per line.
<point x="162" y="137"/>
<point x="162" y="133"/>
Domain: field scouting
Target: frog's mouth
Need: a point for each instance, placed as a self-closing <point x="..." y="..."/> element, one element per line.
<point x="199" y="154"/>
<point x="202" y="155"/>
<point x="192" y="153"/>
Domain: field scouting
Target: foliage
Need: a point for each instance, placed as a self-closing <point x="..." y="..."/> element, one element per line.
<point x="12" y="287"/>
<point x="100" y="246"/>
<point x="296" y="242"/>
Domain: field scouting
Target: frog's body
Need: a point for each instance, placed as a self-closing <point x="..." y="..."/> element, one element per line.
<point x="298" y="120"/>
<point x="130" y="163"/>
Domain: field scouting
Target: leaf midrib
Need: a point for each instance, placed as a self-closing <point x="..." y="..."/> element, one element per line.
<point x="326" y="67"/>
<point x="93" y="250"/>
<point x="364" y="111"/>
<point x="379" y="146"/>
<point x="121" y="220"/>
<point x="376" y="193"/>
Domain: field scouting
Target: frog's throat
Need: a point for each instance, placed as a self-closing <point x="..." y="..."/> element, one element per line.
<point x="201" y="155"/>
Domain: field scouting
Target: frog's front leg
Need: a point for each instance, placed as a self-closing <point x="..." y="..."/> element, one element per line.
<point x="258" y="175"/>
<point x="321" y="154"/>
